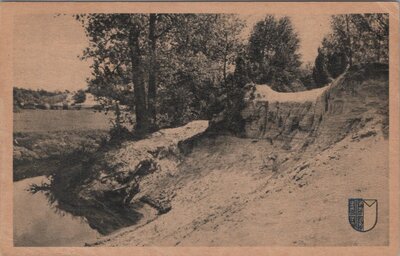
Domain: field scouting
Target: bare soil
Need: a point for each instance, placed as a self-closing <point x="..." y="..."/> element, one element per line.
<point x="225" y="196"/>
<point x="288" y="181"/>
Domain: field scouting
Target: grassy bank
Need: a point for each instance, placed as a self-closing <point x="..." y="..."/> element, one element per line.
<point x="40" y="153"/>
<point x="44" y="139"/>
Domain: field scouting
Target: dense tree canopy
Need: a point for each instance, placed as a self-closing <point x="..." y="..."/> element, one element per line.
<point x="179" y="56"/>
<point x="273" y="52"/>
<point x="355" y="39"/>
<point x="320" y="73"/>
<point x="159" y="70"/>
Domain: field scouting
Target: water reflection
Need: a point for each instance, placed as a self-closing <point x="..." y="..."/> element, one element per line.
<point x="38" y="222"/>
<point x="42" y="220"/>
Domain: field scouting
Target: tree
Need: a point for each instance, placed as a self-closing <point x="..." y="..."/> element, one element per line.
<point x="137" y="65"/>
<point x="79" y="96"/>
<point x="136" y="57"/>
<point x="109" y="50"/>
<point x="229" y="28"/>
<point x="336" y="63"/>
<point x="159" y="26"/>
<point x="195" y="64"/>
<point x="241" y="74"/>
<point x="273" y="52"/>
<point x="320" y="75"/>
<point x="306" y="76"/>
<point x="357" y="38"/>
<point x="124" y="71"/>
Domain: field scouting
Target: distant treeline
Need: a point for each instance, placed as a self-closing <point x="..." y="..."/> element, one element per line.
<point x="25" y="97"/>
<point x="42" y="99"/>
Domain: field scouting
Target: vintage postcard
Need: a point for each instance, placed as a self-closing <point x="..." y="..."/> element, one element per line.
<point x="208" y="128"/>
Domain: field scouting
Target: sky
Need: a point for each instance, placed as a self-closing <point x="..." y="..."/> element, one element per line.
<point x="46" y="48"/>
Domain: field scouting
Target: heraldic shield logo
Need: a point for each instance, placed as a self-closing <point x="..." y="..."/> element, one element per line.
<point x="363" y="214"/>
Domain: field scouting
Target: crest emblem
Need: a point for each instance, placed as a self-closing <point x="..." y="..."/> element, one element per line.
<point x="363" y="214"/>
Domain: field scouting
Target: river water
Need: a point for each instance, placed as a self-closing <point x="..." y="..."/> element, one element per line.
<point x="39" y="223"/>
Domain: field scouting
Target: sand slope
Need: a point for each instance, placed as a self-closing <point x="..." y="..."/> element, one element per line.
<point x="225" y="197"/>
<point x="287" y="184"/>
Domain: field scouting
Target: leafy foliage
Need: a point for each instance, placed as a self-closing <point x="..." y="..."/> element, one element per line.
<point x="306" y="76"/>
<point x="161" y="70"/>
<point x="355" y="39"/>
<point x="362" y="38"/>
<point x="320" y="73"/>
<point x="273" y="52"/>
<point x="163" y="67"/>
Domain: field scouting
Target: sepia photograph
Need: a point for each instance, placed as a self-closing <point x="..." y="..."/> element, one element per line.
<point x="194" y="129"/>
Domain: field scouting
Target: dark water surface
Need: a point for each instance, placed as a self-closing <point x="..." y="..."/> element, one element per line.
<point x="39" y="223"/>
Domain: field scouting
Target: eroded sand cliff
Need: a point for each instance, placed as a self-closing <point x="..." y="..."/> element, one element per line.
<point x="286" y="182"/>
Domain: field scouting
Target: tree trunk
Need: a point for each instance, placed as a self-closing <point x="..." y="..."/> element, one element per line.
<point x="378" y="50"/>
<point x="225" y="57"/>
<point x="141" y="126"/>
<point x="152" y="90"/>
<point x="349" y="49"/>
